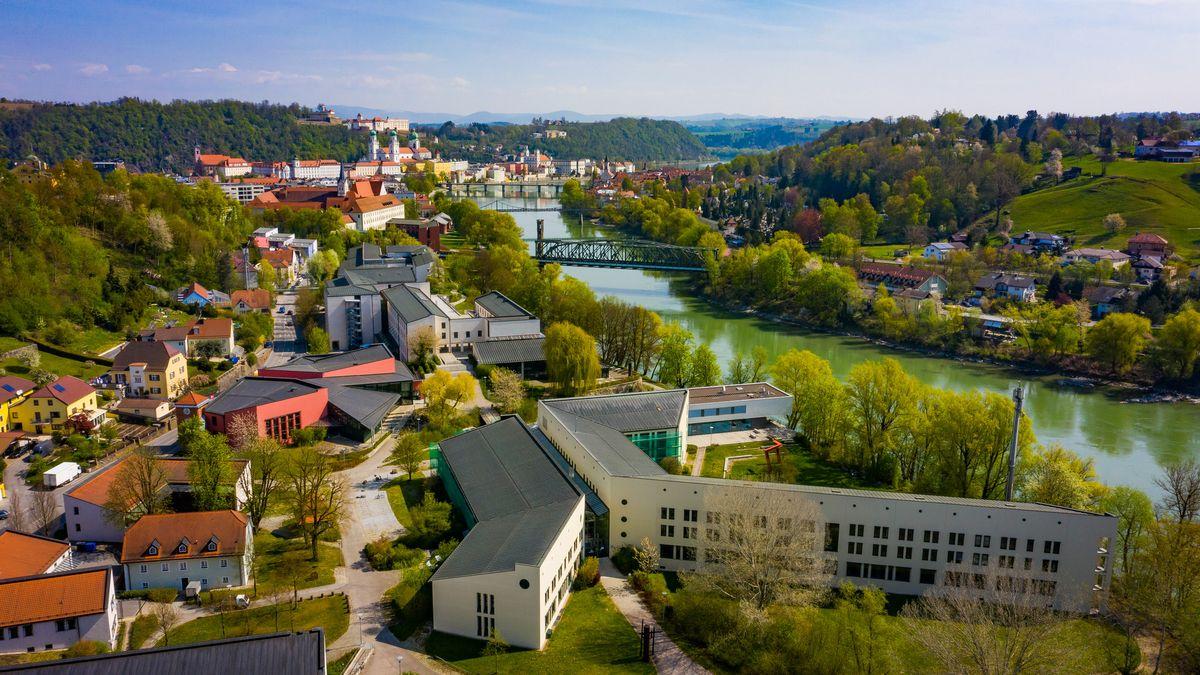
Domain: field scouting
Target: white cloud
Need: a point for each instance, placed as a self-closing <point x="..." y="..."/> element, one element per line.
<point x="226" y="68"/>
<point x="42" y="67"/>
<point x="134" y="69"/>
<point x="459" y="82"/>
<point x="93" y="69"/>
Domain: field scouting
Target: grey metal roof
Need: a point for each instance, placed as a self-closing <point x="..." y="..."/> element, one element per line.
<point x="411" y="304"/>
<point x="515" y="491"/>
<point x="501" y="306"/>
<point x="594" y="503"/>
<point x="372" y="276"/>
<point x="365" y="406"/>
<point x="617" y="455"/>
<point x="253" y="391"/>
<point x="509" y="350"/>
<point x="627" y="413"/>
<point x="324" y="363"/>
<point x="298" y="653"/>
<point x="342" y="286"/>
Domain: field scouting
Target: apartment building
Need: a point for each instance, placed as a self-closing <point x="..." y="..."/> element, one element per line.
<point x="154" y="370"/>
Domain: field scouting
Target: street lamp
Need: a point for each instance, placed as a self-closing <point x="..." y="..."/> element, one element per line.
<point x="400" y="664"/>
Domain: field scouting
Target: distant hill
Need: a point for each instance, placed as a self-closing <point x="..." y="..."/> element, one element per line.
<point x="729" y="136"/>
<point x="1151" y="196"/>
<point x="623" y="138"/>
<point x="161" y="136"/>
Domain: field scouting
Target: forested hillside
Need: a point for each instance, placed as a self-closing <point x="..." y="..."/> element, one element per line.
<point x="161" y="136"/>
<point x="624" y="138"/>
<point x="727" y="137"/>
<point x="78" y="248"/>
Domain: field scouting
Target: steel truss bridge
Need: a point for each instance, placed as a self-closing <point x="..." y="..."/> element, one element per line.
<point x="508" y="207"/>
<point x="623" y="254"/>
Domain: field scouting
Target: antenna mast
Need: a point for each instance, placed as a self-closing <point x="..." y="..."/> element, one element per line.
<point x="1018" y="396"/>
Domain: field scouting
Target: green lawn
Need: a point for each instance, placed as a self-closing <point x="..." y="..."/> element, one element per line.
<point x="402" y="494"/>
<point x="715" y="456"/>
<point x="591" y="637"/>
<point x="800" y="467"/>
<point x="331" y="613"/>
<point x="1152" y="196"/>
<point x="341" y="664"/>
<point x="57" y="365"/>
<point x="144" y="627"/>
<point x="275" y="555"/>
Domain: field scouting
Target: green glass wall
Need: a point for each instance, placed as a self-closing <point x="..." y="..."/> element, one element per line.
<point x="452" y="490"/>
<point x="657" y="444"/>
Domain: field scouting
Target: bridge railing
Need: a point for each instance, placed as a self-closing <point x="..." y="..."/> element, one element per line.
<point x="623" y="253"/>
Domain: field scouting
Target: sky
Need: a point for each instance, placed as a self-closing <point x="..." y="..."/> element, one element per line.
<point x="853" y="58"/>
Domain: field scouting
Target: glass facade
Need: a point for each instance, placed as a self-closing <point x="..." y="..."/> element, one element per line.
<point x="657" y="444"/>
<point x="452" y="490"/>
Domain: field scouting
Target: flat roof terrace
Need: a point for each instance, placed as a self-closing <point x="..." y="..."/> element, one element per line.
<point x="734" y="392"/>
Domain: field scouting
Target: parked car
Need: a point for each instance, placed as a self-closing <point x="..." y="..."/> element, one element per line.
<point x="282" y="309"/>
<point x="3" y="514"/>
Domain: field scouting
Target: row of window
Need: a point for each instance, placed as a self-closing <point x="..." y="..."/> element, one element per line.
<point x="165" y="567"/>
<point x="716" y="412"/>
<point x="1003" y="583"/>
<point x="955" y="538"/>
<point x="203" y="582"/>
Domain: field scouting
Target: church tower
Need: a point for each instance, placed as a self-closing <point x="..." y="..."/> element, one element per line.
<point x="373" y="147"/>
<point x="393" y="145"/>
<point x="414" y="140"/>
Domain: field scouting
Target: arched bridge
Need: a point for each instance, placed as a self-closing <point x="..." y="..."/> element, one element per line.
<point x="622" y="254"/>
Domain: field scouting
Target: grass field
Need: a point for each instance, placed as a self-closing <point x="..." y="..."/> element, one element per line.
<point x="144" y="627"/>
<point x="329" y="613"/>
<point x="1152" y="196"/>
<point x="403" y="493"/>
<point x="799" y="467"/>
<point x="715" y="456"/>
<point x="57" y="365"/>
<point x="275" y="555"/>
<point x="591" y="637"/>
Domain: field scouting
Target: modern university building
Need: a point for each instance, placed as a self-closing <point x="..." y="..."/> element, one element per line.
<point x="585" y="480"/>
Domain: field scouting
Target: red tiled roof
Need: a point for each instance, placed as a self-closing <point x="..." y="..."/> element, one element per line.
<point x="27" y="554"/>
<point x="226" y="529"/>
<point x="95" y="490"/>
<point x="157" y="355"/>
<point x="11" y="385"/>
<point x="192" y="399"/>
<point x="904" y="275"/>
<point x="257" y="298"/>
<point x="54" y="596"/>
<point x="67" y="389"/>
<point x="1147" y="238"/>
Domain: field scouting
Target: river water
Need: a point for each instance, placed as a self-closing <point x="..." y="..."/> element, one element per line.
<point x="1128" y="441"/>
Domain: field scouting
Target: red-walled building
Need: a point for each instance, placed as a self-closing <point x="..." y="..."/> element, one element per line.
<point x="351" y="393"/>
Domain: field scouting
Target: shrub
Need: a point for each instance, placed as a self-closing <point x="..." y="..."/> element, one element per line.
<point x="588" y="573"/>
<point x="702" y="617"/>
<point x="671" y="465"/>
<point x="383" y="554"/>
<point x="85" y="648"/>
<point x="653" y="589"/>
<point x="445" y="548"/>
<point x="623" y="560"/>
<point x="162" y="594"/>
<point x="200" y="380"/>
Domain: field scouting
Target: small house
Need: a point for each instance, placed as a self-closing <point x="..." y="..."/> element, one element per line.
<point x="1006" y="284"/>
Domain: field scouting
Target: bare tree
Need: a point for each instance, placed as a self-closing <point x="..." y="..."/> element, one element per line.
<point x="763" y="547"/>
<point x="261" y="481"/>
<point x="44" y="507"/>
<point x="137" y="490"/>
<point x="168" y="618"/>
<point x="318" y="498"/>
<point x="18" y="520"/>
<point x="989" y="623"/>
<point x="1180" y="484"/>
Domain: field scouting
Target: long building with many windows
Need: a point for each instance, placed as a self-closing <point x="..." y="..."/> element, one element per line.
<point x="904" y="543"/>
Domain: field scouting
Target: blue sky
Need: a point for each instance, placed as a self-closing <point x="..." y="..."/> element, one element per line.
<point x="654" y="57"/>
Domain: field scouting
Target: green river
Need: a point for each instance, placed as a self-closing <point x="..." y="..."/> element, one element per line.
<point x="1128" y="441"/>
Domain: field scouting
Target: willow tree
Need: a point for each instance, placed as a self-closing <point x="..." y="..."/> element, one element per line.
<point x="571" y="359"/>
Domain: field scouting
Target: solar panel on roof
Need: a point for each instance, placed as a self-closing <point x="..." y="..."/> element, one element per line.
<point x="8" y="388"/>
<point x="59" y="387"/>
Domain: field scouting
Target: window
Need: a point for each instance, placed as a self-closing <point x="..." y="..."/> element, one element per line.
<point x="954" y="557"/>
<point x="76" y="510"/>
<point x="1049" y="565"/>
<point x="182" y="567"/>
<point x="857" y="530"/>
<point x="927" y="576"/>
<point x="931" y="536"/>
<point x="1008" y="543"/>
<point x="690" y="533"/>
<point x="203" y="564"/>
<point x="854" y="547"/>
<point x="143" y="569"/>
<point x="77" y="527"/>
<point x="1029" y="546"/>
<point x="13" y="633"/>
<point x="902" y="574"/>
<point x="666" y="513"/>
<point x="831" y="537"/>
<point x="224" y="580"/>
<point x="929" y="554"/>
<point x="224" y="563"/>
<point x="1029" y="563"/>
<point x="904" y="533"/>
<point x="666" y="551"/>
<point x="1052" y="547"/>
<point x="145" y="585"/>
<point x="27" y="629"/>
<point x="904" y="552"/>
<point x="879" y="550"/>
<point x="957" y="538"/>
<point x="666" y="530"/>
<point x="165" y="567"/>
<point x="880" y="532"/>
<point x="713" y="518"/>
<point x="1006" y="561"/>
<point x="983" y="541"/>
<point x="712" y="535"/>
<point x="455" y="335"/>
<point x="853" y="569"/>
<point x="979" y="559"/>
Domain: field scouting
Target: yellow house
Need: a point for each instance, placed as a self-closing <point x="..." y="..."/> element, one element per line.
<point x="154" y="370"/>
<point x="48" y="408"/>
<point x="13" y="392"/>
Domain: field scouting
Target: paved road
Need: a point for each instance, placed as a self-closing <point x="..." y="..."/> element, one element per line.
<point x="668" y="657"/>
<point x="285" y="341"/>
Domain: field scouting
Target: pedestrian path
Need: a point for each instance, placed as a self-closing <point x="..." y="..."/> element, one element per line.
<point x="668" y="657"/>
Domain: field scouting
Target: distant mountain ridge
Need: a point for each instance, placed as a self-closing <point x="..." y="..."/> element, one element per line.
<point x="487" y="117"/>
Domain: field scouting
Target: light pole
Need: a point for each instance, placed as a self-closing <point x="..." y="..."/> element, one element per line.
<point x="400" y="664"/>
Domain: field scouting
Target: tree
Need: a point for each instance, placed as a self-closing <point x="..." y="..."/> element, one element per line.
<point x="44" y="507"/>
<point x="1118" y="339"/>
<point x="826" y="293"/>
<point x="1113" y="223"/>
<point x="674" y="354"/>
<point x="495" y="647"/>
<point x="261" y="482"/>
<point x="571" y="358"/>
<point x="1054" y="167"/>
<point x="316" y="495"/>
<point x="645" y="557"/>
<point x="506" y="389"/>
<point x="818" y="400"/>
<point x="167" y="617"/>
<point x="1134" y="514"/>
<point x="769" y="550"/>
<point x="266" y="276"/>
<point x="837" y="246"/>
<point x="444" y="392"/>
<point x="739" y="369"/>
<point x="422" y="350"/>
<point x="705" y="371"/>
<point x="863" y="628"/>
<point x="317" y="340"/>
<point x="138" y="489"/>
<point x="988" y="623"/>
<point x="210" y="472"/>
<point x="408" y="453"/>
<point x="1178" y="344"/>
<point x="1055" y="475"/>
<point x="879" y="395"/>
<point x="1180" y="484"/>
<point x="18" y="519"/>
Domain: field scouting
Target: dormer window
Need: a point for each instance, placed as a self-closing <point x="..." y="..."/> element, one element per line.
<point x="183" y="546"/>
<point x="153" y="550"/>
<point x="211" y="545"/>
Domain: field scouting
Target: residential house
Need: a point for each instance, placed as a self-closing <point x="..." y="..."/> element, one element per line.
<point x="285" y="262"/>
<point x="155" y="370"/>
<point x="271" y="237"/>
<point x="896" y="278"/>
<point x="13" y="392"/>
<point x="938" y="250"/>
<point x="85" y="505"/>
<point x="1150" y="269"/>
<point x="1105" y="300"/>
<point x="1149" y="245"/>
<point x="54" y="611"/>
<point x="196" y="295"/>
<point x="373" y="212"/>
<point x="252" y="300"/>
<point x="1005" y="284"/>
<point x="190" y="404"/>
<point x="173" y="550"/>
<point x="1042" y="242"/>
<point x="185" y="337"/>
<point x="1096" y="256"/>
<point x="349" y="393"/>
<point x="143" y="410"/>
<point x="428" y="232"/>
<point x="23" y="555"/>
<point x="48" y="409"/>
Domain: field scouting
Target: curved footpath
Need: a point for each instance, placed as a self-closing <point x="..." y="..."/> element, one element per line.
<point x="668" y="657"/>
